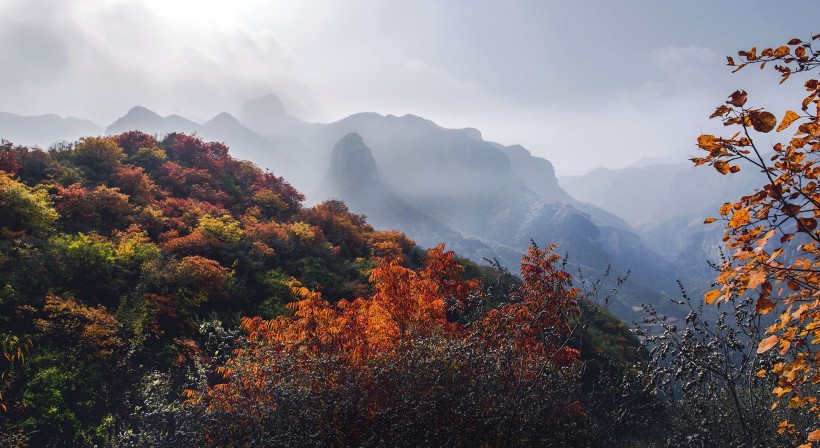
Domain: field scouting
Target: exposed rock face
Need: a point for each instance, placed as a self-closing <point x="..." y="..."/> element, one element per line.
<point x="353" y="177"/>
<point x="537" y="174"/>
<point x="351" y="162"/>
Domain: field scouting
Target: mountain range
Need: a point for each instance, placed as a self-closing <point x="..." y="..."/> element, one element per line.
<point x="485" y="200"/>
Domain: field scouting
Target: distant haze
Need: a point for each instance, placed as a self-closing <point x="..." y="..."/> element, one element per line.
<point x="583" y="84"/>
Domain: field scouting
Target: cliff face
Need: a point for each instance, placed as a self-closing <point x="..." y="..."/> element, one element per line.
<point x="353" y="177"/>
<point x="351" y="162"/>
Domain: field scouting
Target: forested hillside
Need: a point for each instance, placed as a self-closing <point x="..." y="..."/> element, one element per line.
<point x="132" y="269"/>
<point x="162" y="293"/>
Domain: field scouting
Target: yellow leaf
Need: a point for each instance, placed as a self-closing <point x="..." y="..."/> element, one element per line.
<point x="711" y="296"/>
<point x="788" y="119"/>
<point x="739" y="218"/>
<point x="797" y="402"/>
<point x="725" y="208"/>
<point x="767" y="344"/>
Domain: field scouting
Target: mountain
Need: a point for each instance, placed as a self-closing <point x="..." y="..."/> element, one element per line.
<point x="407" y="172"/>
<point x="148" y="121"/>
<point x="484" y="199"/>
<point x="222" y="128"/>
<point x="267" y="115"/>
<point x="666" y="205"/>
<point x="44" y="130"/>
<point x="353" y="177"/>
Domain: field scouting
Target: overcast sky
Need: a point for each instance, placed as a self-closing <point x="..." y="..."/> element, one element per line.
<point x="581" y="83"/>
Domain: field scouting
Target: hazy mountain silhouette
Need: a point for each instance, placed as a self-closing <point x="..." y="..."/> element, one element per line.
<point x="244" y="143"/>
<point x="666" y="204"/>
<point x="148" y="121"/>
<point x="267" y="115"/>
<point x="482" y="199"/>
<point x="353" y="177"/>
<point x="44" y="130"/>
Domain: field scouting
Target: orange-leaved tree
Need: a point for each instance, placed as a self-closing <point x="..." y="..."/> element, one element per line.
<point x="772" y="234"/>
<point x="416" y="360"/>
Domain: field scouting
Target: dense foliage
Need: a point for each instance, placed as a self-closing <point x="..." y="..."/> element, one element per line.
<point x="113" y="251"/>
<point x="132" y="269"/>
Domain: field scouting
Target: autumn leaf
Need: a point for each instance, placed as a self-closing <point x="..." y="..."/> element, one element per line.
<point x="756" y="278"/>
<point x="767" y="344"/>
<point x="788" y="119"/>
<point x="782" y="51"/>
<point x="739" y="218"/>
<point x="807" y="224"/>
<point x="722" y="167"/>
<point x="763" y="121"/>
<point x="738" y="98"/>
<point x="764" y="305"/>
<point x="725" y="208"/>
<point x="814" y="436"/>
<point x="709" y="220"/>
<point x="711" y="296"/>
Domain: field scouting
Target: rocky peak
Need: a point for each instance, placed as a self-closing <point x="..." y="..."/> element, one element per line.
<point x="351" y="161"/>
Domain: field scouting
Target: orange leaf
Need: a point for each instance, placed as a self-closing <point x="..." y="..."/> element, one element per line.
<point x="788" y="119"/>
<point x="739" y="218"/>
<point x="711" y="296"/>
<point x="767" y="344"/>
<point x="781" y="51"/>
<point x="725" y="208"/>
<point x="722" y="167"/>
<point x="756" y="278"/>
<point x="814" y="436"/>
<point x="709" y="220"/>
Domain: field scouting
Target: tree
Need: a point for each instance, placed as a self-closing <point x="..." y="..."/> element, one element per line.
<point x="393" y="367"/>
<point x="772" y="233"/>
<point x="24" y="209"/>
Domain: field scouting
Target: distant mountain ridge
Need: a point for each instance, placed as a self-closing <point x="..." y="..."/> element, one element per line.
<point x="44" y="130"/>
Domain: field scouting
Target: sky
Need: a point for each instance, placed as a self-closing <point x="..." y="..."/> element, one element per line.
<point x="582" y="83"/>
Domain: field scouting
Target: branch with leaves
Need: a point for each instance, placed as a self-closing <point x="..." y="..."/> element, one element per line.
<point x="772" y="234"/>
